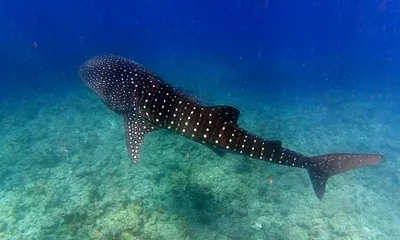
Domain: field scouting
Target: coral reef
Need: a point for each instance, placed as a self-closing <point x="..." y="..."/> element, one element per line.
<point x="65" y="174"/>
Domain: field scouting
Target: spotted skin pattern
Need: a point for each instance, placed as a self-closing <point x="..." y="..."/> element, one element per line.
<point x="148" y="103"/>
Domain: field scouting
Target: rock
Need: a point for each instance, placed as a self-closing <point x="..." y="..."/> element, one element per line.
<point x="3" y="226"/>
<point x="257" y="226"/>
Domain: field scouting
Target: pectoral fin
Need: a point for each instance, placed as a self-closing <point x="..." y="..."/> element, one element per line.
<point x="136" y="129"/>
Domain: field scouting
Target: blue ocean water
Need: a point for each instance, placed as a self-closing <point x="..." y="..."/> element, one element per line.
<point x="321" y="76"/>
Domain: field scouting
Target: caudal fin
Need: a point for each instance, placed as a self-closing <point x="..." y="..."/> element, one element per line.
<point x="325" y="166"/>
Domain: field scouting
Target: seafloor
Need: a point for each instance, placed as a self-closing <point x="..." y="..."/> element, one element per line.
<point x="65" y="172"/>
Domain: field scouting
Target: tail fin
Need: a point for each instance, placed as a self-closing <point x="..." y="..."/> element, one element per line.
<point x="325" y="166"/>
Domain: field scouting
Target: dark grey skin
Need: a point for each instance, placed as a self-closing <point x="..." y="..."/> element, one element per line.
<point x="148" y="103"/>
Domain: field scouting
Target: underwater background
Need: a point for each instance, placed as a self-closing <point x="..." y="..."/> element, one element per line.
<point x="321" y="76"/>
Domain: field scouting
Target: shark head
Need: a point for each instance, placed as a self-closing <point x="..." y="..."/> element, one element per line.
<point x="115" y="80"/>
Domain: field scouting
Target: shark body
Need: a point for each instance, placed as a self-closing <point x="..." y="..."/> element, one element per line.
<point x="147" y="104"/>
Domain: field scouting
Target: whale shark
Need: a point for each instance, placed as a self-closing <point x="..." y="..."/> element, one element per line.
<point x="148" y="103"/>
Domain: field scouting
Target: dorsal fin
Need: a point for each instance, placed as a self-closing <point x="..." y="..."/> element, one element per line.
<point x="228" y="113"/>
